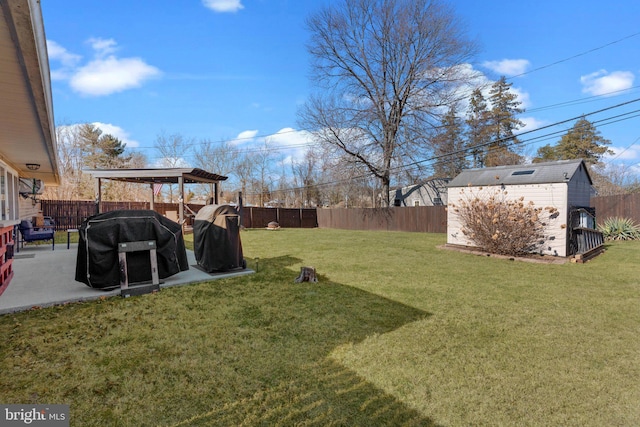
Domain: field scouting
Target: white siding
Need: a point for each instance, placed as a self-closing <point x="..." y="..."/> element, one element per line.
<point x="28" y="210"/>
<point x="542" y="195"/>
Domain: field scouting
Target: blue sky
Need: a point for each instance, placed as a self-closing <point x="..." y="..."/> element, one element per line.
<point x="229" y="69"/>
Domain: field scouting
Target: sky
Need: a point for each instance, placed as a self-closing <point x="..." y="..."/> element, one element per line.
<point x="238" y="70"/>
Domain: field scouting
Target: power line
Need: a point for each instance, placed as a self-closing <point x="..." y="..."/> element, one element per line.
<point x="576" y="56"/>
<point x="604" y="122"/>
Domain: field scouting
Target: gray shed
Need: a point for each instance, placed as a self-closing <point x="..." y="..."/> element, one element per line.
<point x="565" y="185"/>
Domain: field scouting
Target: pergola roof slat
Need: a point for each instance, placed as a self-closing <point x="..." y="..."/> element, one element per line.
<point x="159" y="175"/>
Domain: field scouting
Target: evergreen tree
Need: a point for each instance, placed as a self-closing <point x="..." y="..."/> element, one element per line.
<point x="101" y="150"/>
<point x="477" y="122"/>
<point x="449" y="146"/>
<point x="503" y="124"/>
<point x="582" y="141"/>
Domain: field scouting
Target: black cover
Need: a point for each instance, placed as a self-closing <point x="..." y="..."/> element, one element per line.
<point x="216" y="238"/>
<point x="97" y="262"/>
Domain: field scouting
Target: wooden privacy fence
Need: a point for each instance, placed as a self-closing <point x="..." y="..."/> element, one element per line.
<point x="70" y="213"/>
<point x="253" y="217"/>
<point x="622" y="205"/>
<point x="423" y="219"/>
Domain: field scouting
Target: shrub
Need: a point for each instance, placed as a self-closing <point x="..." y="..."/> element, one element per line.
<point x="616" y="228"/>
<point x="502" y="226"/>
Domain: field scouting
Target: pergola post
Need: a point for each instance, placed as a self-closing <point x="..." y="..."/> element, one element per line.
<point x="152" y="205"/>
<point x="181" y="200"/>
<point x="98" y="194"/>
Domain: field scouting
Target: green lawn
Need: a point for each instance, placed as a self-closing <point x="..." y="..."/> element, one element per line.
<point x="397" y="332"/>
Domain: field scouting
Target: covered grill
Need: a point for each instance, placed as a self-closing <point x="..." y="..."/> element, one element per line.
<point x="97" y="261"/>
<point x="216" y="238"/>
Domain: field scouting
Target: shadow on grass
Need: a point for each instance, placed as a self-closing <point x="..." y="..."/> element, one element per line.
<point x="294" y="327"/>
<point x="243" y="351"/>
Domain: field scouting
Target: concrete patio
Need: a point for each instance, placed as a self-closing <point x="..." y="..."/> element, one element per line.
<point x="45" y="277"/>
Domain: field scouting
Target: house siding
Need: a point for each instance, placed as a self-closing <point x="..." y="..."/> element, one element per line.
<point x="542" y="195"/>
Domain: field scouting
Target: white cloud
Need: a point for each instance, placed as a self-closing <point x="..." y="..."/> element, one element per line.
<point x="103" y="47"/>
<point x="247" y="134"/>
<point x="67" y="59"/>
<point x="223" y="5"/>
<point x="531" y="123"/>
<point x="244" y="137"/>
<point x="118" y="132"/>
<point x="67" y="133"/>
<point x="293" y="143"/>
<point x="629" y="153"/>
<point x="602" y="82"/>
<point x="508" y="67"/>
<point x="105" y="76"/>
<point x="523" y="97"/>
<point x="480" y="80"/>
<point x="59" y="53"/>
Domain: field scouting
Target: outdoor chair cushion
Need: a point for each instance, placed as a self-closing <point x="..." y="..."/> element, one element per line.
<point x="31" y="234"/>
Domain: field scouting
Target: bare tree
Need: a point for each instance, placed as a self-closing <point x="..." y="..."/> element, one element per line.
<point x="306" y="177"/>
<point x="73" y="183"/>
<point x="265" y="177"/>
<point x="218" y="157"/>
<point x="386" y="67"/>
<point x="173" y="149"/>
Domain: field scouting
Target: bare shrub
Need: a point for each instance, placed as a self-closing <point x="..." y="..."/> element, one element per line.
<point x="502" y="226"/>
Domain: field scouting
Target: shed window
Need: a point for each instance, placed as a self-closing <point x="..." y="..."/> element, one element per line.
<point x="527" y="172"/>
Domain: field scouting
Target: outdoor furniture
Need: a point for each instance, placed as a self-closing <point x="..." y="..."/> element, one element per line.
<point x="101" y="238"/>
<point x="216" y="239"/>
<point x="69" y="231"/>
<point x="140" y="288"/>
<point x="33" y="234"/>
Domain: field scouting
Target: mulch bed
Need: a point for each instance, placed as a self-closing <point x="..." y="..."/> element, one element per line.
<point x="537" y="258"/>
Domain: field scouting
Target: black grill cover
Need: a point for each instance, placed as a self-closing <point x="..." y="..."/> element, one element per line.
<point x="216" y="238"/>
<point x="97" y="262"/>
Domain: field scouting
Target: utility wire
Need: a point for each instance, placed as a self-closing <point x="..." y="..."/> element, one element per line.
<point x="576" y="56"/>
<point x="406" y="167"/>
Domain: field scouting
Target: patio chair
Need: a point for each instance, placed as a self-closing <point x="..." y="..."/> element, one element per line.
<point x="33" y="234"/>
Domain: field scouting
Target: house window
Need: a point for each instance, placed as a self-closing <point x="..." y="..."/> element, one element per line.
<point x="416" y="203"/>
<point x="9" y="206"/>
<point x="11" y="196"/>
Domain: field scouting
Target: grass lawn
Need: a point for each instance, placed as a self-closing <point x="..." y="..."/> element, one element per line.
<point x="397" y="332"/>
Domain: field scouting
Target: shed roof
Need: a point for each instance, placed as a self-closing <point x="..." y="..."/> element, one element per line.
<point x="162" y="175"/>
<point x="536" y="173"/>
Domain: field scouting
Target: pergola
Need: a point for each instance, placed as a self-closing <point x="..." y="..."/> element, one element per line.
<point x="180" y="176"/>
